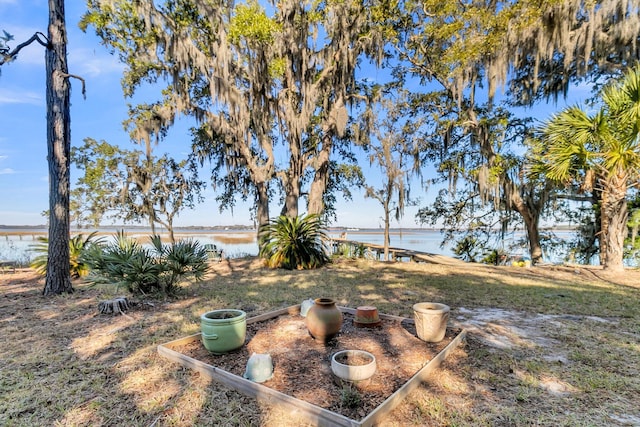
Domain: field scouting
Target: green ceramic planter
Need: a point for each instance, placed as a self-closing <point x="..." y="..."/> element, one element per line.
<point x="223" y="330"/>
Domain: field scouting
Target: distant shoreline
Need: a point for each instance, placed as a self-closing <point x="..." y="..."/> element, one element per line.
<point x="15" y="241"/>
<point x="17" y="230"/>
<point x="135" y="228"/>
<point x="21" y="232"/>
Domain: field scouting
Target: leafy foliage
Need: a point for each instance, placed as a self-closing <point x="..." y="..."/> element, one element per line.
<point x="78" y="247"/>
<point x="131" y="185"/>
<point x="294" y="243"/>
<point x="350" y="397"/>
<point x="147" y="270"/>
<point x="494" y="257"/>
<point x="252" y="80"/>
<point x="251" y="23"/>
<point x="394" y="150"/>
<point x="468" y="248"/>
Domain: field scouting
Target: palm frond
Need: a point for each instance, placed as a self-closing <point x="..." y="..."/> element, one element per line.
<point x="294" y="243"/>
<point x="79" y="245"/>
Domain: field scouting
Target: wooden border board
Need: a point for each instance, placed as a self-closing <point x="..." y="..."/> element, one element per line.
<point x="315" y="414"/>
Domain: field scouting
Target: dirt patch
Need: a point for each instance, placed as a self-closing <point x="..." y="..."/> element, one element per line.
<point x="510" y="329"/>
<point x="302" y="365"/>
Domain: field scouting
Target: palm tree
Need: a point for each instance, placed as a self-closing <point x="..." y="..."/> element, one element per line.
<point x="603" y="152"/>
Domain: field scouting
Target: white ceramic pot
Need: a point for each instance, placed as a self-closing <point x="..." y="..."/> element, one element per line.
<point x="353" y="365"/>
<point x="431" y="320"/>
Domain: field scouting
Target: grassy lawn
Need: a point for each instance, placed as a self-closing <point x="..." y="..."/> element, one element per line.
<point x="64" y="364"/>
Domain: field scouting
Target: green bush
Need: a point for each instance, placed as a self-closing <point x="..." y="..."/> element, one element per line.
<point x="78" y="247"/>
<point x="144" y="270"/>
<point x="495" y="257"/>
<point x="294" y="243"/>
<point x="468" y="248"/>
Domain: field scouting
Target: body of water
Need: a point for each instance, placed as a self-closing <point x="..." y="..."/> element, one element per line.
<point x="238" y="243"/>
<point x="413" y="239"/>
<point x="17" y="245"/>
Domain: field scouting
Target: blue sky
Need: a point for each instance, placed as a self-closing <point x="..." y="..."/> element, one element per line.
<point x="23" y="149"/>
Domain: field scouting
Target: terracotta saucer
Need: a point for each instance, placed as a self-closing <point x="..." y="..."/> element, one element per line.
<point x="366" y="317"/>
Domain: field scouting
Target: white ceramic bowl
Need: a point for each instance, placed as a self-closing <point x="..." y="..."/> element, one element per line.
<point x="353" y="365"/>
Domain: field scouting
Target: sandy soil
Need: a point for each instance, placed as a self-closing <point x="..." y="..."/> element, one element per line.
<point x="302" y="364"/>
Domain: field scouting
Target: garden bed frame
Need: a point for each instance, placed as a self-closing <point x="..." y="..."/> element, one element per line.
<point x="315" y="414"/>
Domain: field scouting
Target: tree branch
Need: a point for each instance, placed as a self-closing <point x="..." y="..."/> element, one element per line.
<point x="37" y="37"/>
<point x="84" y="89"/>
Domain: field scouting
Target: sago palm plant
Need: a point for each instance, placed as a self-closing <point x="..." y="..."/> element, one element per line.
<point x="294" y="243"/>
<point x="143" y="269"/>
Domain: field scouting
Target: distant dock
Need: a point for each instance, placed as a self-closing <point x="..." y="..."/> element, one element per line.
<point x="376" y="252"/>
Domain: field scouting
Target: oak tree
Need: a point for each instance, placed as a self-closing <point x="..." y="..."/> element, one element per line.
<point x="133" y="185"/>
<point x="468" y="49"/>
<point x="257" y="85"/>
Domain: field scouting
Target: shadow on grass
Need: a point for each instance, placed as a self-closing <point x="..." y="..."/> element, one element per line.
<point x="69" y="365"/>
<point x="65" y="363"/>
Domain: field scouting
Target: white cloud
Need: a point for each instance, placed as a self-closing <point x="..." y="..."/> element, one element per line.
<point x="3" y="2"/>
<point x="7" y="171"/>
<point x="1" y="156"/>
<point x="87" y="62"/>
<point x="8" y="96"/>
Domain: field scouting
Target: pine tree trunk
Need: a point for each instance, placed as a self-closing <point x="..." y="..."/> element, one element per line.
<point x="58" y="278"/>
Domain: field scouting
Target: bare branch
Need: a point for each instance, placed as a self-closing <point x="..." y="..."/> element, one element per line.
<point x="37" y="37"/>
<point x="84" y="87"/>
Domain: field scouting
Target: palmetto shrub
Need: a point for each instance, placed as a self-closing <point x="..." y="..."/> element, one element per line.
<point x="294" y="243"/>
<point x="143" y="270"/>
<point x="78" y="247"/>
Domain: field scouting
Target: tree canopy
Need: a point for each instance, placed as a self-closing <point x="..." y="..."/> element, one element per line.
<point x="132" y="185"/>
<point x="276" y="96"/>
<point x="251" y="81"/>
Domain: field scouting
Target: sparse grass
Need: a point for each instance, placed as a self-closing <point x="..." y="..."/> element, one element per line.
<point x="65" y="365"/>
<point x="350" y="397"/>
